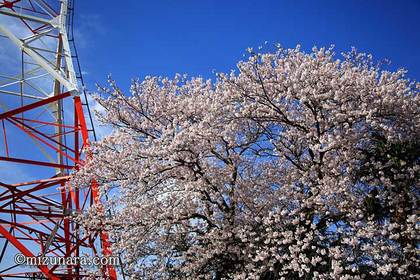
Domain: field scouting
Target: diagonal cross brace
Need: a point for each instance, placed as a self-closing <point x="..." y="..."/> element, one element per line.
<point x="34" y="105"/>
<point x="38" y="59"/>
<point x="25" y="251"/>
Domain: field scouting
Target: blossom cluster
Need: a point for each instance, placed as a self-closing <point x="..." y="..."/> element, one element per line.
<point x="296" y="166"/>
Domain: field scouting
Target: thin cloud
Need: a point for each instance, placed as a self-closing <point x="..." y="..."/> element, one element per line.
<point x="87" y="27"/>
<point x="100" y="129"/>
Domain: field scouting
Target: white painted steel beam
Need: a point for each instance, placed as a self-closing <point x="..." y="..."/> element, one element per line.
<point x="57" y="27"/>
<point x="38" y="59"/>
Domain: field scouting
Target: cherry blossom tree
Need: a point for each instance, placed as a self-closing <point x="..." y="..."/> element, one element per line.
<point x="296" y="166"/>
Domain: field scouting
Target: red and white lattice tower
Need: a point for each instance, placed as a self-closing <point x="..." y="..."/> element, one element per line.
<point x="45" y="123"/>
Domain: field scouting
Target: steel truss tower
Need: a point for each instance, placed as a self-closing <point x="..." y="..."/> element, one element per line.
<point x="45" y="124"/>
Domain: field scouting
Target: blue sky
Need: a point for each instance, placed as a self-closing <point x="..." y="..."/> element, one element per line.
<point x="136" y="38"/>
<point x="133" y="39"/>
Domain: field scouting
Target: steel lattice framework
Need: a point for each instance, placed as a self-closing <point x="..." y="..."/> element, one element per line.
<point x="45" y="124"/>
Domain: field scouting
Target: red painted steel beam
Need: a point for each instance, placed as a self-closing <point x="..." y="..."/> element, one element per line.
<point x="34" y="105"/>
<point x="36" y="188"/>
<point x="15" y="225"/>
<point x="25" y="251"/>
<point x="43" y="122"/>
<point x="22" y="124"/>
<point x="5" y="138"/>
<point x="106" y="247"/>
<point x="55" y="179"/>
<point x="82" y="121"/>
<point x="33" y="213"/>
<point x="35" y="162"/>
<point x="9" y="4"/>
<point x="27" y="200"/>
<point x="29" y="195"/>
<point x="33" y="135"/>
